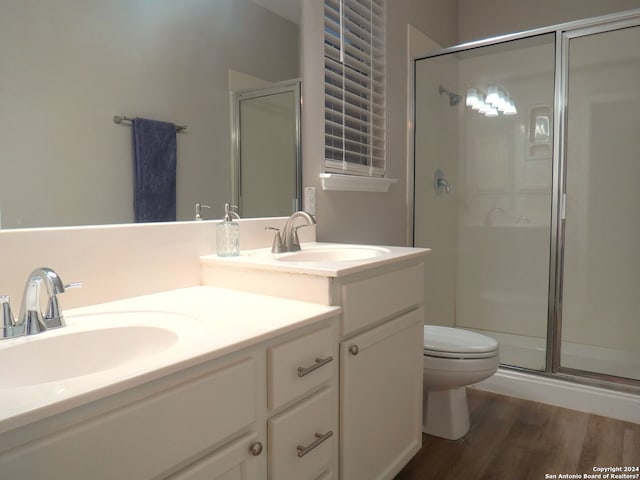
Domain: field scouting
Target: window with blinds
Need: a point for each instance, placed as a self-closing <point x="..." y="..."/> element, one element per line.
<point x="354" y="69"/>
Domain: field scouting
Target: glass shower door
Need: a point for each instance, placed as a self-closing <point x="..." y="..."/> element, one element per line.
<point x="484" y="124"/>
<point x="601" y="277"/>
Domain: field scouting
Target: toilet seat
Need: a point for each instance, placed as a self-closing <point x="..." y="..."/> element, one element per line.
<point x="459" y="356"/>
<point x="445" y="342"/>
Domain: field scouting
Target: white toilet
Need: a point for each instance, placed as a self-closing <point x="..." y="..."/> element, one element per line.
<point x="453" y="358"/>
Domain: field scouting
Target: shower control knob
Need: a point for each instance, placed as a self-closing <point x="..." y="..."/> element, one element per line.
<point x="255" y="449"/>
<point x="354" y="349"/>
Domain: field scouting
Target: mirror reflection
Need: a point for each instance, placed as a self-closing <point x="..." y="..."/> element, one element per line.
<point x="267" y="150"/>
<point x="67" y="67"/>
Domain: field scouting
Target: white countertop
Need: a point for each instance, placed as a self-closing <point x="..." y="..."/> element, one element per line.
<point x="262" y="259"/>
<point x="216" y="322"/>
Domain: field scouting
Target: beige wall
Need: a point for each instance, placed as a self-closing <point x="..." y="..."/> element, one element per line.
<point x="67" y="67"/>
<point x="487" y="18"/>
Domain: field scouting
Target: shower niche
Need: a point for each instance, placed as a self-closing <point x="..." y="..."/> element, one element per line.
<point x="539" y="132"/>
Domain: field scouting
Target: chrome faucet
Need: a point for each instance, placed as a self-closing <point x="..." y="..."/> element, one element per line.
<point x="287" y="240"/>
<point x="31" y="320"/>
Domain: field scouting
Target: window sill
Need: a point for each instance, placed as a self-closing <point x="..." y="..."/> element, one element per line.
<point x="354" y="183"/>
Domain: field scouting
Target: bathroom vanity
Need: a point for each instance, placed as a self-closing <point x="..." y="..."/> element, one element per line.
<point x="380" y="290"/>
<point x="249" y="387"/>
<point x="303" y="366"/>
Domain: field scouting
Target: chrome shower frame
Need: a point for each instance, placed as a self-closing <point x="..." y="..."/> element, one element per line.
<point x="564" y="32"/>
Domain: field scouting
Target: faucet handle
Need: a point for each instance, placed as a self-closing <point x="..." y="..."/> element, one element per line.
<point x="7" y="328"/>
<point x="53" y="317"/>
<point x="278" y="246"/>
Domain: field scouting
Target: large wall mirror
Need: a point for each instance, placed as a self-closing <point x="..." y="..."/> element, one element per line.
<point x="68" y="66"/>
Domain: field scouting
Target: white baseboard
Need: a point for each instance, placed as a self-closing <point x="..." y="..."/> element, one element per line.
<point x="584" y="398"/>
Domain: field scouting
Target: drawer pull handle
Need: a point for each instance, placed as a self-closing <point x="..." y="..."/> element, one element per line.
<point x="302" y="371"/>
<point x="354" y="349"/>
<point x="302" y="450"/>
<point x="255" y="449"/>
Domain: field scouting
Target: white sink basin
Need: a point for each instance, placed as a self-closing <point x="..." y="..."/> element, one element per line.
<point x="330" y="254"/>
<point x="92" y="344"/>
<point x="315" y="258"/>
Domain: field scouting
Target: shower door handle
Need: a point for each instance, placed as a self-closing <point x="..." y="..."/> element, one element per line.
<point x="440" y="183"/>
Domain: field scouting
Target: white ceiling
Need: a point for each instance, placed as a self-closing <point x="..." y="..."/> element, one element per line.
<point x="288" y="9"/>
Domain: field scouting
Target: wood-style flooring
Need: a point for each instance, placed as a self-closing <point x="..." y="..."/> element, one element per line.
<point x="513" y="439"/>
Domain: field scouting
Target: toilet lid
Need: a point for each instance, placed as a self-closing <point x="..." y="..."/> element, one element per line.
<point x="455" y="340"/>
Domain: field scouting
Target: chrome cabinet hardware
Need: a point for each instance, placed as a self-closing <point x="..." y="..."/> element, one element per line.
<point x="320" y="437"/>
<point x="302" y="371"/>
<point x="354" y="349"/>
<point x="255" y="449"/>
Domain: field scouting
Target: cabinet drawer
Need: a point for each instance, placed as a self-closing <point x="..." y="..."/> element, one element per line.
<point x="169" y="427"/>
<point x="297" y="366"/>
<point x="367" y="301"/>
<point x="301" y="439"/>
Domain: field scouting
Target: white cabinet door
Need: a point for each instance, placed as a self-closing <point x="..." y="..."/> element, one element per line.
<point x="381" y="398"/>
<point x="243" y="459"/>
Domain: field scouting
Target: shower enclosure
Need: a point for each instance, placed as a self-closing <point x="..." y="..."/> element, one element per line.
<point x="527" y="187"/>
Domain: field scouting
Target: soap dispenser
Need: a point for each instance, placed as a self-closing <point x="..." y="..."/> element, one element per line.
<point x="228" y="234"/>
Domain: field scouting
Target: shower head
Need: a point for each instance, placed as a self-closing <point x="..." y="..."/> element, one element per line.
<point x="454" y="98"/>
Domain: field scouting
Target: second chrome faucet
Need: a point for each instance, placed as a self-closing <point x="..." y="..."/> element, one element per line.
<point x="286" y="240"/>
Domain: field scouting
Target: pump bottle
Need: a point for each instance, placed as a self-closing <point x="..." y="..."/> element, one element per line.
<point x="228" y="234"/>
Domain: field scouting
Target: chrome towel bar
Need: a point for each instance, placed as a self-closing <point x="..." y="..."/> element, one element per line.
<point x="123" y="119"/>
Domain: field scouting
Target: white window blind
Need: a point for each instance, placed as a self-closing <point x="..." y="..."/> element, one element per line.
<point x="354" y="69"/>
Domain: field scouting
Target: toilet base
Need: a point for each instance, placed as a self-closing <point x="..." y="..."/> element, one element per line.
<point x="446" y="413"/>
